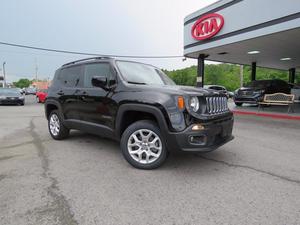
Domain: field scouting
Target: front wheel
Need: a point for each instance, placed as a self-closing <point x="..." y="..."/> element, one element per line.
<point x="143" y="146"/>
<point x="56" y="128"/>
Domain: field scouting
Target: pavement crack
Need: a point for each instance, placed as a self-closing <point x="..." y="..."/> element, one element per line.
<point x="59" y="206"/>
<point x="2" y="176"/>
<point x="20" y="144"/>
<point x="16" y="145"/>
<point x="8" y="157"/>
<point x="251" y="168"/>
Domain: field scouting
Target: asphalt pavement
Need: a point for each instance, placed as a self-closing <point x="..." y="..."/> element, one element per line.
<point x="255" y="179"/>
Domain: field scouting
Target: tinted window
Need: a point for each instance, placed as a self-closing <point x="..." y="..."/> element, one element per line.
<point x="70" y="77"/>
<point x="261" y="83"/>
<point x="280" y="83"/>
<point x="96" y="69"/>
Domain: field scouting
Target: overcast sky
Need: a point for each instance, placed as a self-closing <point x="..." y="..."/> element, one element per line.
<point x="123" y="27"/>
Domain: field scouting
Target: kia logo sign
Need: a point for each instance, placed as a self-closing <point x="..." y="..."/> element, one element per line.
<point x="207" y="26"/>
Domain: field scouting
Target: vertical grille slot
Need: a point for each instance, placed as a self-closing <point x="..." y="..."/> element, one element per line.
<point x="216" y="105"/>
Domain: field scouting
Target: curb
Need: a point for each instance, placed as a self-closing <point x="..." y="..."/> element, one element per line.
<point x="270" y="115"/>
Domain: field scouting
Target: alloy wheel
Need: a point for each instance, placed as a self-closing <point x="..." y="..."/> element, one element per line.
<point x="144" y="146"/>
<point x="54" y="124"/>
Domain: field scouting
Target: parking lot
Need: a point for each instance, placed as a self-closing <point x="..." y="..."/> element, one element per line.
<point x="254" y="179"/>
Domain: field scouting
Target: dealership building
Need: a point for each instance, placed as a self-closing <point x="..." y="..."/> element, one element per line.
<point x="263" y="33"/>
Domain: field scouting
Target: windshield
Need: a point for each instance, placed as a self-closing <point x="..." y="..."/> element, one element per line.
<point x="7" y="91"/>
<point x="138" y="73"/>
<point x="218" y="88"/>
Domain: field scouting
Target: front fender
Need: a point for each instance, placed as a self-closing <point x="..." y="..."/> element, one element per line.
<point x="156" y="112"/>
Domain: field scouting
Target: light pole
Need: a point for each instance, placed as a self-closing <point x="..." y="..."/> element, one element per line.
<point x="4" y="77"/>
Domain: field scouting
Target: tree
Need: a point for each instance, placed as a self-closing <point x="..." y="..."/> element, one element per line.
<point x="22" y="83"/>
<point x="225" y="74"/>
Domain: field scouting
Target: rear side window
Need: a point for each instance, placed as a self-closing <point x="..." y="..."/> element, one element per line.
<point x="71" y="76"/>
<point x="280" y="84"/>
<point x="261" y="83"/>
<point x="96" y="69"/>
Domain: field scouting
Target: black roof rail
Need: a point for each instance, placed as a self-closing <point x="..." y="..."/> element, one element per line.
<point x="86" y="59"/>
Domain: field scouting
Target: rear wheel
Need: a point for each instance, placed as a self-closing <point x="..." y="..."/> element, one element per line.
<point x="143" y="146"/>
<point x="56" y="128"/>
<point x="239" y="103"/>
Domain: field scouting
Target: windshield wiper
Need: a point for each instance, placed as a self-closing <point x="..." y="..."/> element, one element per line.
<point x="134" y="82"/>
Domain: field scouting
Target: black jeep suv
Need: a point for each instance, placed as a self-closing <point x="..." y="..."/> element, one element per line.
<point x="138" y="105"/>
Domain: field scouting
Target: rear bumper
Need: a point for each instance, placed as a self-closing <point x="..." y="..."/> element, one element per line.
<point x="214" y="135"/>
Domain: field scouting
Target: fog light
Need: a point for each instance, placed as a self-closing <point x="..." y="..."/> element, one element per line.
<point x="198" y="140"/>
<point x="198" y="127"/>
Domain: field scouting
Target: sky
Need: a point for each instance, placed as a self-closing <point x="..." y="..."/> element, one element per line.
<point x="121" y="27"/>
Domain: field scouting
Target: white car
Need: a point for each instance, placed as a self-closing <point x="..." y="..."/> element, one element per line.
<point x="221" y="89"/>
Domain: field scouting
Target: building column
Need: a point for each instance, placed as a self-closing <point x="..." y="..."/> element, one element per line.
<point x="200" y="70"/>
<point x="241" y="75"/>
<point x="292" y="73"/>
<point x="253" y="71"/>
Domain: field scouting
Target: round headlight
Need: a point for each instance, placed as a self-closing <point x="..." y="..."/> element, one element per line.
<point x="194" y="104"/>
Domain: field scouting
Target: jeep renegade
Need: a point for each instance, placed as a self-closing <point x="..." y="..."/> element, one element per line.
<point x="139" y="106"/>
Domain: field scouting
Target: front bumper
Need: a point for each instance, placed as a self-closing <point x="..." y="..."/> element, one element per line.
<point x="214" y="135"/>
<point x="11" y="101"/>
<point x="247" y="99"/>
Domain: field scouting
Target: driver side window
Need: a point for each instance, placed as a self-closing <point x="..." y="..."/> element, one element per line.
<point x="96" y="69"/>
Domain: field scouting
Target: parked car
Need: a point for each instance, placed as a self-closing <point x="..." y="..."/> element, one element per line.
<point x="295" y="90"/>
<point x="255" y="91"/>
<point x="11" y="96"/>
<point x="41" y="95"/>
<point x="22" y="90"/>
<point x="221" y="89"/>
<point x="138" y="105"/>
<point x="30" y="91"/>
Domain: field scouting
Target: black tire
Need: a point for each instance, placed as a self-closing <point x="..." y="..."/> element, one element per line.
<point x="147" y="125"/>
<point x="239" y="103"/>
<point x="63" y="131"/>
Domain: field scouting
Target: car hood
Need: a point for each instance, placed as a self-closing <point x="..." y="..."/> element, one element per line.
<point x="176" y="90"/>
<point x="250" y="89"/>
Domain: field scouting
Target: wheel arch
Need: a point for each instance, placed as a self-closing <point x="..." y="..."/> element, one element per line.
<point x="141" y="110"/>
<point x="51" y="105"/>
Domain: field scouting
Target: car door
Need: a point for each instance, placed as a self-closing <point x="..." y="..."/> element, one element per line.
<point x="281" y="86"/>
<point x="71" y="80"/>
<point x="97" y="106"/>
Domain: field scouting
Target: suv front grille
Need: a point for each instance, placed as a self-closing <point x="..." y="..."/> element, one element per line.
<point x="246" y="93"/>
<point x="216" y="105"/>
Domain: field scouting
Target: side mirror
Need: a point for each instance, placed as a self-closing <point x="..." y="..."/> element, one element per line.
<point x="99" y="81"/>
